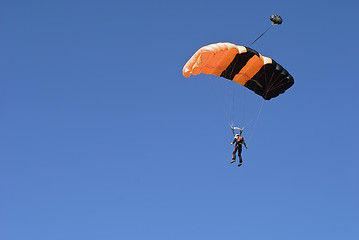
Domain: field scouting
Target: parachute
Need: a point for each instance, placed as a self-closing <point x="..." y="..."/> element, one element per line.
<point x="242" y="65"/>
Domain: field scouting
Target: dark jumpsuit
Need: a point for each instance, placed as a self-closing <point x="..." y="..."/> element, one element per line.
<point x="238" y="147"/>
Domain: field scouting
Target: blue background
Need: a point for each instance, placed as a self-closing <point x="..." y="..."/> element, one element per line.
<point x="101" y="137"/>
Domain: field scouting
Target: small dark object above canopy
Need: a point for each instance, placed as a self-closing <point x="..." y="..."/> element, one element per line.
<point x="276" y="19"/>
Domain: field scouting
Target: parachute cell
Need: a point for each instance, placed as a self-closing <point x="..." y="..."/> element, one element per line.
<point x="242" y="65"/>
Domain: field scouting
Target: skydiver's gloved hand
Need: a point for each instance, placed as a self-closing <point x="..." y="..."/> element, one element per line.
<point x="246" y="147"/>
<point x="231" y="143"/>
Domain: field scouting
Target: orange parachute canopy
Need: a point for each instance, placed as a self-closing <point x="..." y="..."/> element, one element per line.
<point x="242" y="65"/>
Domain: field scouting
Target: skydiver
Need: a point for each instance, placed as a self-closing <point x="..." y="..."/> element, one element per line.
<point x="238" y="141"/>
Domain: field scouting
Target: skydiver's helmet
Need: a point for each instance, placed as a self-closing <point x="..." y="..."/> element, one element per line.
<point x="236" y="136"/>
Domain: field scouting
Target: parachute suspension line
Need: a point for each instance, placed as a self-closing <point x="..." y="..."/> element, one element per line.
<point x="261" y="34"/>
<point x="256" y="120"/>
<point x="225" y="97"/>
<point x="237" y="106"/>
<point x="244" y="110"/>
<point x="233" y="101"/>
<point x="241" y="117"/>
<point x="227" y="102"/>
<point x="218" y="91"/>
<point x="239" y="120"/>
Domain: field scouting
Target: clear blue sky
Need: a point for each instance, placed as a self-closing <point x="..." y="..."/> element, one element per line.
<point x="101" y="137"/>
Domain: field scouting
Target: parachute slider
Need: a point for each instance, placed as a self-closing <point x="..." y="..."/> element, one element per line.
<point x="237" y="128"/>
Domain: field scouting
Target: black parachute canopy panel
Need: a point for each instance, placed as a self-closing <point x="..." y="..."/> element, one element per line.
<point x="276" y="19"/>
<point x="270" y="81"/>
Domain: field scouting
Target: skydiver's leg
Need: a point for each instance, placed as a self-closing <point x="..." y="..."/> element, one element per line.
<point x="240" y="156"/>
<point x="234" y="154"/>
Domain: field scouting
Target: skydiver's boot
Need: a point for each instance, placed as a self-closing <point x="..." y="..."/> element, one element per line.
<point x="233" y="160"/>
<point x="240" y="162"/>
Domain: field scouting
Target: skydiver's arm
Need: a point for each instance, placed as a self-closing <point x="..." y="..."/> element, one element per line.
<point x="244" y="143"/>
